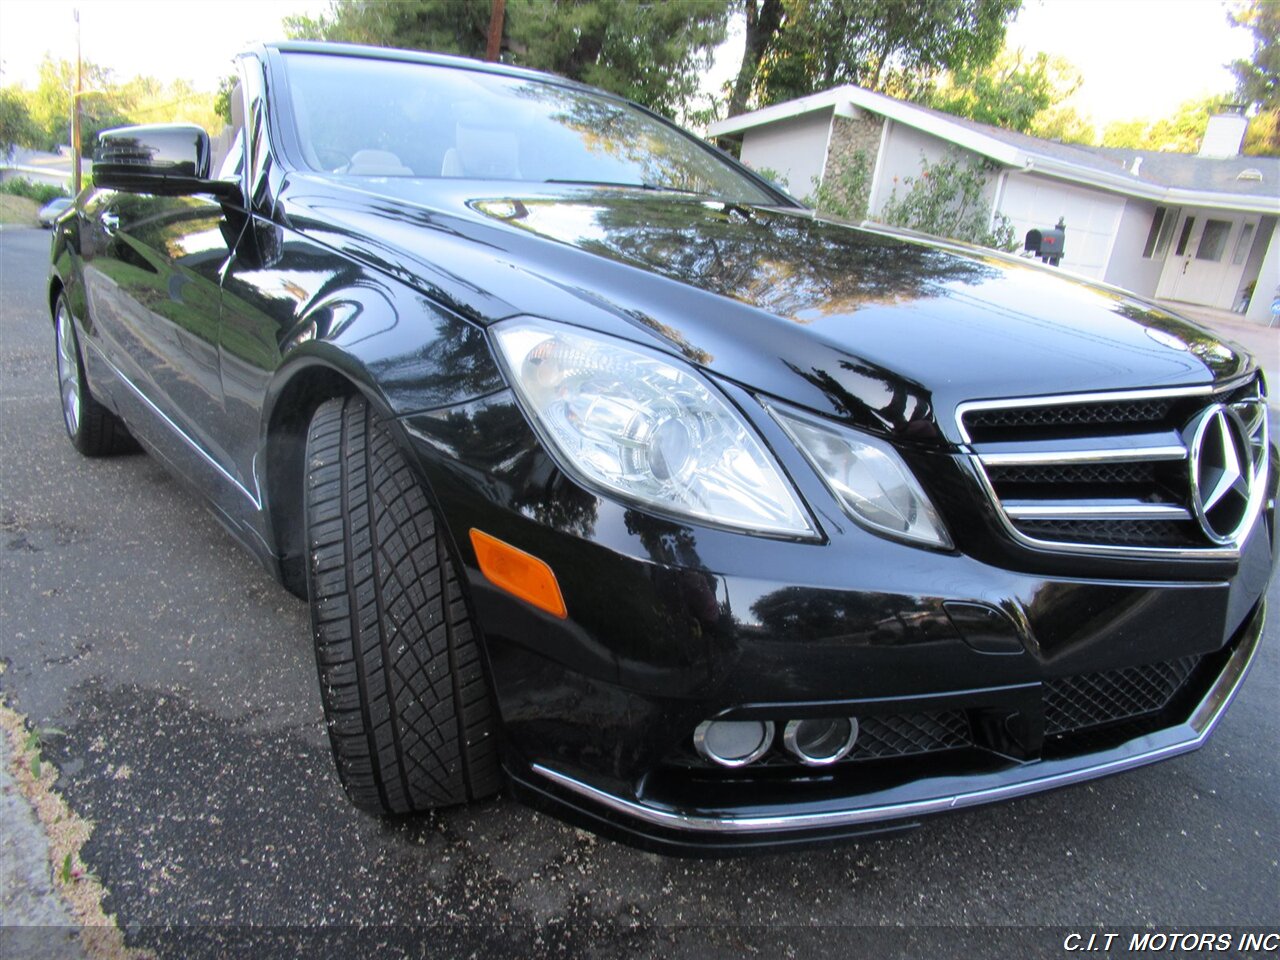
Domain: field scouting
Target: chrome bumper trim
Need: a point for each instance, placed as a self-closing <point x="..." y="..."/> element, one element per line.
<point x="1198" y="727"/>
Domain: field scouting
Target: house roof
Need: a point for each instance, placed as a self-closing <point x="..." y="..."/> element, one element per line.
<point x="1180" y="178"/>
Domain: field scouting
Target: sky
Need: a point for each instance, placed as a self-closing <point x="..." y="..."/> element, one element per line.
<point x="168" y="39"/>
<point x="1140" y="58"/>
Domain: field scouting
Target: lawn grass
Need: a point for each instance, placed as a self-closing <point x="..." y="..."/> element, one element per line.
<point x="18" y="210"/>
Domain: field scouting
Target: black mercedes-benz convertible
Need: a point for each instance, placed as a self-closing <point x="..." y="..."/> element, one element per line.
<point x="615" y="476"/>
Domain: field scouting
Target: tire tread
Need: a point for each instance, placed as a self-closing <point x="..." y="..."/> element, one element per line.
<point x="408" y="708"/>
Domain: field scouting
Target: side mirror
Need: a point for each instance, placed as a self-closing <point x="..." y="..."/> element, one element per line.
<point x="163" y="159"/>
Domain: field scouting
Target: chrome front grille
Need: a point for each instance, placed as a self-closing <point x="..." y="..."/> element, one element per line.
<point x="1112" y="473"/>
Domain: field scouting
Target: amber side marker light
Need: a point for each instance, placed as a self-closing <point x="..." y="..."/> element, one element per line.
<point x="519" y="573"/>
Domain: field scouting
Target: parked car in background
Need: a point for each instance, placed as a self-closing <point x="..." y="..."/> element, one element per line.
<point x="52" y="210"/>
<point x="613" y="474"/>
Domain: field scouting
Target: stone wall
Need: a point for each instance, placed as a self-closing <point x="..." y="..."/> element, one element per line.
<point x="851" y="158"/>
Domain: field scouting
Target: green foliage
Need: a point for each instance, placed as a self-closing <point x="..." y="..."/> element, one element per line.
<point x="16" y="126"/>
<point x="1180" y="133"/>
<point x="1262" y="138"/>
<point x="446" y="26"/>
<point x="883" y="45"/>
<point x="50" y="104"/>
<point x="222" y="99"/>
<point x="653" y="53"/>
<point x="773" y="176"/>
<point x="1258" y="78"/>
<point x="104" y="104"/>
<point x="845" y="190"/>
<point x="947" y="200"/>
<point x="1015" y="93"/>
<point x="148" y="100"/>
<point x="41" y="193"/>
<point x="1065" y="124"/>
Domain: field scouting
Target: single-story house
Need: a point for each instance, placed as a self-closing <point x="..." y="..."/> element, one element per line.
<point x="1199" y="229"/>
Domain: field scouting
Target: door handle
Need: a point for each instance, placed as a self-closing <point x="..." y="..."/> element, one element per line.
<point x="110" y="221"/>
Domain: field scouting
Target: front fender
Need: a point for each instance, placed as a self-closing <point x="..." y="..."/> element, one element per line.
<point x="404" y="352"/>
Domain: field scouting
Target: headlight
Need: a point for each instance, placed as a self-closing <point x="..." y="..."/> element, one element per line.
<point x="869" y="479"/>
<point x="645" y="427"/>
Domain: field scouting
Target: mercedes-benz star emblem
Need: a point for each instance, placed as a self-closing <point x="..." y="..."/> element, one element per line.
<point x="1221" y="473"/>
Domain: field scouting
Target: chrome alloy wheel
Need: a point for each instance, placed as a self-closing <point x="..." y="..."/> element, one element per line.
<point x="68" y="371"/>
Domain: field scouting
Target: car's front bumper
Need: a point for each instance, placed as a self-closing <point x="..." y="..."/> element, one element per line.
<point x="708" y="830"/>
<point x="670" y="625"/>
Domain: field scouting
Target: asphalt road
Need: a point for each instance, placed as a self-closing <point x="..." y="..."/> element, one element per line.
<point x="183" y="678"/>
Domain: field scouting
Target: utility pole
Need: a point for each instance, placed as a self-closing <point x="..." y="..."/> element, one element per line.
<point x="75" y="116"/>
<point x="496" y="16"/>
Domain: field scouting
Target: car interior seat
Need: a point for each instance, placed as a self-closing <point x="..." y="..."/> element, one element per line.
<point x="488" y="152"/>
<point x="377" y="163"/>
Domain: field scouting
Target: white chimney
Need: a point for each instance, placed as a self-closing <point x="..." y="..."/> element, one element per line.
<point x="1225" y="132"/>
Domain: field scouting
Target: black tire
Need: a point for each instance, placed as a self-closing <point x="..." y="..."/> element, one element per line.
<point x="406" y="701"/>
<point x="93" y="429"/>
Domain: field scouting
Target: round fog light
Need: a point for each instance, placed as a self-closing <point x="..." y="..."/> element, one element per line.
<point x="733" y="743"/>
<point x="817" y="743"/>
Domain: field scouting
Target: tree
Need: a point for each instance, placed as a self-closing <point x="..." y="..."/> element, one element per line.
<point x="653" y="53"/>
<point x="1011" y="91"/>
<point x="888" y="45"/>
<point x="650" y="52"/>
<point x="104" y="104"/>
<point x="1181" y="133"/>
<point x="16" y="125"/>
<point x="50" y="104"/>
<point x="1258" y="78"/>
<point x="763" y="21"/>
<point x="446" y="26"/>
<point x="1065" y="124"/>
<point x="1262" y="138"/>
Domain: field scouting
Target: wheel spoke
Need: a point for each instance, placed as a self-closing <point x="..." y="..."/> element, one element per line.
<point x="68" y="372"/>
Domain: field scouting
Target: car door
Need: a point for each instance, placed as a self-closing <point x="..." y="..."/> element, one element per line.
<point x="153" y="284"/>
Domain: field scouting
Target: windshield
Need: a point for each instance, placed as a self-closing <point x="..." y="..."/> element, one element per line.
<point x="383" y="118"/>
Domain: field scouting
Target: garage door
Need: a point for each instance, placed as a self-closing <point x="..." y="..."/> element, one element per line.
<point x="1092" y="218"/>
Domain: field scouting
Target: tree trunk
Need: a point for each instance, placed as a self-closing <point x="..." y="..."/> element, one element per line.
<point x="764" y="22"/>
<point x="493" y="48"/>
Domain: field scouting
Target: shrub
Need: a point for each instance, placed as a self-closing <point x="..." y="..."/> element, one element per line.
<point x="947" y="200"/>
<point x="41" y="193"/>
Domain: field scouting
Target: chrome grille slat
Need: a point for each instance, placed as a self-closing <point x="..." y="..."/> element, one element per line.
<point x="1114" y="454"/>
<point x="1108" y="474"/>
<point x="1093" y="510"/>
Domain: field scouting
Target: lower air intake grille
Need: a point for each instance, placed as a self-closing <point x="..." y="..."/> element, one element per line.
<point x="1141" y="533"/>
<point x="1075" y="703"/>
<point x="907" y="734"/>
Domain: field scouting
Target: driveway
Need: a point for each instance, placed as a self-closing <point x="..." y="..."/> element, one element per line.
<point x="183" y="678"/>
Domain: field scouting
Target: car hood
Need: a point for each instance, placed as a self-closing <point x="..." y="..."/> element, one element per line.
<point x="889" y="332"/>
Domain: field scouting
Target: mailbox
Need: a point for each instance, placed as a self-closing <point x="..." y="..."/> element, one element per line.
<point x="1046" y="244"/>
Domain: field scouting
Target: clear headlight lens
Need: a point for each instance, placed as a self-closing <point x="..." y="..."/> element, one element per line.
<point x="869" y="479"/>
<point x="645" y="427"/>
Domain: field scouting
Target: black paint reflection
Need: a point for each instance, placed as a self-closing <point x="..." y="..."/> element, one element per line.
<point x="789" y="265"/>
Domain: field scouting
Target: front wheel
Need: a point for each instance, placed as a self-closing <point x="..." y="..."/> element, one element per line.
<point x="410" y="717"/>
<point x="93" y="429"/>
